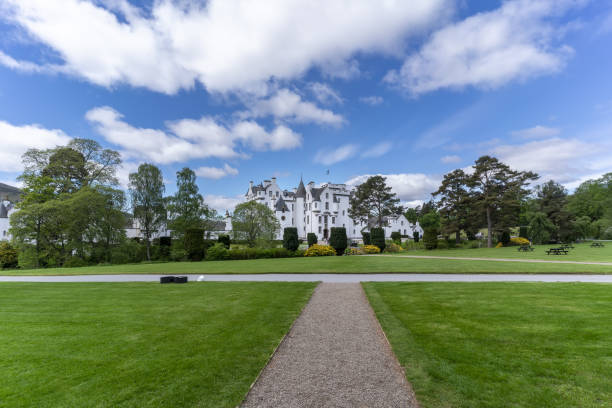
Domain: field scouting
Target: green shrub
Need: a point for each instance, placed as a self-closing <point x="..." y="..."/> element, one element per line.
<point x="261" y="253"/>
<point x="443" y="244"/>
<point x="338" y="240"/>
<point x="9" y="257"/>
<point x="504" y="238"/>
<point x="430" y="239"/>
<point x="217" y="252"/>
<point x="312" y="238"/>
<point x="290" y="239"/>
<point x="415" y="236"/>
<point x="354" y="251"/>
<point x="396" y="237"/>
<point x="367" y="238"/>
<point x="225" y="240"/>
<point x="523" y="232"/>
<point x="194" y="244"/>
<point x="74" y="262"/>
<point x="378" y="238"/>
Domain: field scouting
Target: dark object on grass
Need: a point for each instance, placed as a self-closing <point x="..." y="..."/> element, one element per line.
<point x="338" y="240"/>
<point x="597" y="245"/>
<point x="173" y="279"/>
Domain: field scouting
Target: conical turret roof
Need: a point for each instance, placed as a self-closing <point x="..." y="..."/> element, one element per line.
<point x="301" y="190"/>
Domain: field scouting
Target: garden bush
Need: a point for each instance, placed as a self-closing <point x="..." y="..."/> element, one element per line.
<point x="367" y="238"/>
<point x="338" y="240"/>
<point x="430" y="239"/>
<point x="518" y="241"/>
<point x="371" y="249"/>
<point x="194" y="244"/>
<point x="504" y="238"/>
<point x="354" y="251"/>
<point x="74" y="262"/>
<point x="9" y="256"/>
<point x="415" y="236"/>
<point x="290" y="239"/>
<point x="378" y="238"/>
<point x="442" y="244"/>
<point x="396" y="237"/>
<point x="393" y="248"/>
<point x="523" y="232"/>
<point x="217" y="252"/>
<point x="320" y="250"/>
<point x="312" y="238"/>
<point x="225" y="240"/>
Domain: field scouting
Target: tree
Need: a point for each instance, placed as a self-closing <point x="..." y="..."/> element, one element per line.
<point x="552" y="201"/>
<point x="583" y="227"/>
<point x="373" y="199"/>
<point x="8" y="255"/>
<point x="430" y="223"/>
<point x="378" y="238"/>
<point x="412" y="215"/>
<point x="367" y="238"/>
<point x="290" y="238"/>
<point x="338" y="240"/>
<point x="312" y="239"/>
<point x="540" y="228"/>
<point x="186" y="208"/>
<point x="253" y="221"/>
<point x="194" y="244"/>
<point x="454" y="202"/>
<point x="415" y="236"/>
<point x="499" y="191"/>
<point x="147" y="190"/>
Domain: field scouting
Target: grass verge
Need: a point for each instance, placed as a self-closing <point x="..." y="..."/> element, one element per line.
<point x="500" y="344"/>
<point x="139" y="344"/>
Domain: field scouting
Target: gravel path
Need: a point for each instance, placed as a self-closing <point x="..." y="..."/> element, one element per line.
<point x="336" y="355"/>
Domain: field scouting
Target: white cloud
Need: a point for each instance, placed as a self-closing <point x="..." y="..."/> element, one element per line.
<point x="324" y="93"/>
<point x="188" y="138"/>
<point x="226" y="45"/>
<point x="378" y="150"/>
<point x="333" y="156"/>
<point x="15" y="140"/>
<point x="216" y="172"/>
<point x="450" y="159"/>
<point x="288" y="105"/>
<point x="222" y="203"/>
<point x="410" y="187"/>
<point x="489" y="49"/>
<point x="536" y="132"/>
<point x="372" y="100"/>
<point x="562" y="160"/>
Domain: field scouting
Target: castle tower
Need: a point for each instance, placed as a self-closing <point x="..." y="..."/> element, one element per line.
<point x="300" y="198"/>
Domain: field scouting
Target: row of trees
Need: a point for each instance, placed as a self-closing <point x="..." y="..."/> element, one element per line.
<point x="494" y="196"/>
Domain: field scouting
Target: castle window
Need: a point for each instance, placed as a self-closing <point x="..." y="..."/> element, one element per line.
<point x="326" y="195"/>
<point x="333" y="220"/>
<point x="326" y="205"/>
<point x="319" y="230"/>
<point x="319" y="219"/>
<point x="402" y="222"/>
<point x="277" y="194"/>
<point x="270" y="193"/>
<point x="342" y="212"/>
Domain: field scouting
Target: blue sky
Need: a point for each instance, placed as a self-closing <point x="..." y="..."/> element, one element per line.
<point x="240" y="91"/>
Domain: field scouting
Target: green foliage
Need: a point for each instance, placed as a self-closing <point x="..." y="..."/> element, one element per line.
<point x="255" y="223"/>
<point x="396" y="237"/>
<point x="378" y="238"/>
<point x="393" y="248"/>
<point x="194" y="244"/>
<point x="9" y="256"/>
<point x="312" y="238"/>
<point x="225" y="240"/>
<point x="430" y="239"/>
<point x="217" y="252"/>
<point x="523" y="232"/>
<point x="540" y="228"/>
<point x="262" y="253"/>
<point x="411" y="215"/>
<point x="373" y="199"/>
<point x="338" y="240"/>
<point x="367" y="238"/>
<point x="415" y="236"/>
<point x="290" y="239"/>
<point x="504" y="238"/>
<point x="320" y="250"/>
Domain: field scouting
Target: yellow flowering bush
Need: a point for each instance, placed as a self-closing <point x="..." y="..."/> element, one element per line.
<point x="393" y="247"/>
<point x="371" y="249"/>
<point x="519" y="241"/>
<point x="353" y="251"/>
<point x="499" y="245"/>
<point x="320" y="250"/>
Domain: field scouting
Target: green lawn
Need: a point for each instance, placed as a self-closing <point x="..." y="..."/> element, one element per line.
<point x="581" y="252"/>
<point x="501" y="344"/>
<point x="139" y="344"/>
<point x="336" y="264"/>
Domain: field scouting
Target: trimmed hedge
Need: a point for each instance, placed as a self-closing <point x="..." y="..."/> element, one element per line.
<point x="338" y="240"/>
<point x="415" y="236"/>
<point x="378" y="238"/>
<point x="225" y="240"/>
<point x="430" y="239"/>
<point x="312" y="239"/>
<point x="290" y="239"/>
<point x="396" y="236"/>
<point x="194" y="244"/>
<point x="367" y="238"/>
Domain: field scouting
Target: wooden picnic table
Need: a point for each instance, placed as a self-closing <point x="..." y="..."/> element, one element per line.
<point x="597" y="245"/>
<point x="556" y="251"/>
<point x="525" y="248"/>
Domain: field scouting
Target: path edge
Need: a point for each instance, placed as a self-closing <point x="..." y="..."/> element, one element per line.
<point x="282" y="340"/>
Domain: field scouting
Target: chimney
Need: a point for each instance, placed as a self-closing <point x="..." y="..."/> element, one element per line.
<point x="273" y="180"/>
<point x="251" y="184"/>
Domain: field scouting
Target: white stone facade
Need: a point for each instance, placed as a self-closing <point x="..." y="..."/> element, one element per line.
<point x="318" y="209"/>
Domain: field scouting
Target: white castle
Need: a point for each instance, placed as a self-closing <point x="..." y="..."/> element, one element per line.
<point x="318" y="209"/>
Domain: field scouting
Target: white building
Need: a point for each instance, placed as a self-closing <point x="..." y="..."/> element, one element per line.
<point x="318" y="209"/>
<point x="9" y="195"/>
